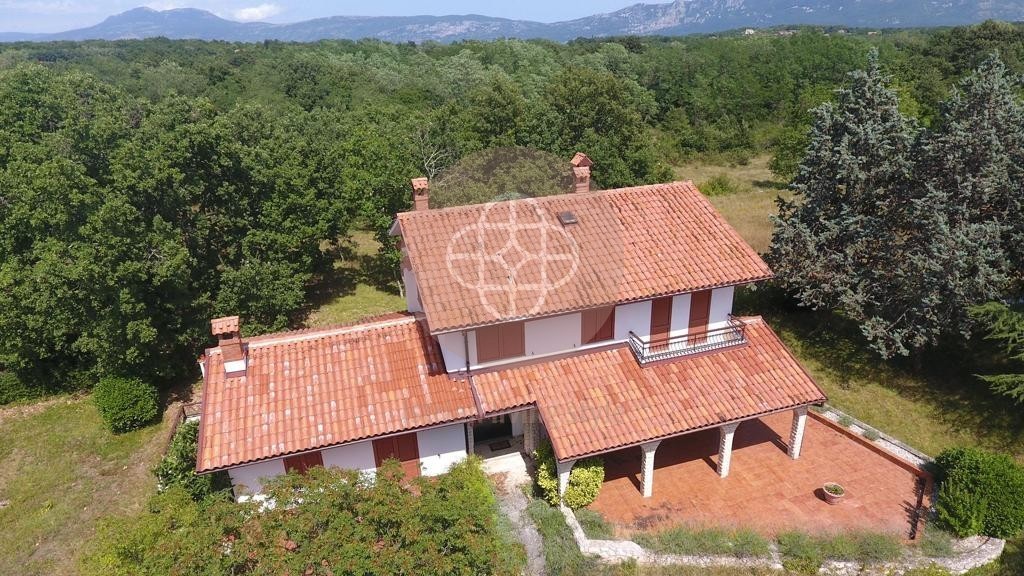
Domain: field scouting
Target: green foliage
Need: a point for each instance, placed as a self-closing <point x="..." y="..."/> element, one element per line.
<point x="1004" y="326"/>
<point x="561" y="554"/>
<point x="594" y="525"/>
<point x="845" y="421"/>
<point x="872" y="434"/>
<point x="720" y="185"/>
<point x="876" y="232"/>
<point x="932" y="570"/>
<point x="585" y="480"/>
<point x="178" y="466"/>
<point x="706" y="541"/>
<point x="981" y="492"/>
<point x="125" y="404"/>
<point x="327" y="521"/>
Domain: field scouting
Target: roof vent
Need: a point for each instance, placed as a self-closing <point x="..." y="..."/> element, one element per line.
<point x="567" y="218"/>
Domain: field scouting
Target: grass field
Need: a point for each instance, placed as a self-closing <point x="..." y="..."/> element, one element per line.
<point x="60" y="471"/>
<point x="354" y="292"/>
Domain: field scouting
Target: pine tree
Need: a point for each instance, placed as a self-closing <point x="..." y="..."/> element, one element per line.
<point x="1005" y="326"/>
<point x="847" y="240"/>
<point x="974" y="160"/>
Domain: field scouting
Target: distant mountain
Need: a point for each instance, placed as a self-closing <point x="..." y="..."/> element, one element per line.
<point x="675" y="18"/>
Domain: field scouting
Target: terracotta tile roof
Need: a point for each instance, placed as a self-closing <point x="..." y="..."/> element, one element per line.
<point x="629" y="244"/>
<point x="604" y="400"/>
<point x="317" y="388"/>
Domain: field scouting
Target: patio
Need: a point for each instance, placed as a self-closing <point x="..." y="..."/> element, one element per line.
<point x="765" y="490"/>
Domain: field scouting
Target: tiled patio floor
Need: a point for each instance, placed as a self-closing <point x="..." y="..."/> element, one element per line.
<point x="765" y="490"/>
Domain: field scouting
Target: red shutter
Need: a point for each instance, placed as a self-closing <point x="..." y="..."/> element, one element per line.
<point x="598" y="325"/>
<point x="404" y="448"/>
<point x="661" y="320"/>
<point x="301" y="463"/>
<point x="500" y="341"/>
<point x="700" y="313"/>
<point x="488" y="344"/>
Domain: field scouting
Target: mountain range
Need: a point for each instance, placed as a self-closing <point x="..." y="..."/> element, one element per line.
<point x="675" y="18"/>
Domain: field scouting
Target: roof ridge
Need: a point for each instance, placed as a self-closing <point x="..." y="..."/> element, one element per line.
<point x="302" y="335"/>
<point x="592" y="193"/>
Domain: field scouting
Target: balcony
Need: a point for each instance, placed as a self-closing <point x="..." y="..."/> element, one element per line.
<point x="647" y="351"/>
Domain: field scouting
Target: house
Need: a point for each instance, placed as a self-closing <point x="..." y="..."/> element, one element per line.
<point x="601" y="320"/>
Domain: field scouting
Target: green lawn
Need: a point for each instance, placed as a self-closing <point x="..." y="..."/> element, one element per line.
<point x="355" y="290"/>
<point x="60" y="471"/>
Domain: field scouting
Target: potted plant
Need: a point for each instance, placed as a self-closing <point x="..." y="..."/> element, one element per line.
<point x="833" y="492"/>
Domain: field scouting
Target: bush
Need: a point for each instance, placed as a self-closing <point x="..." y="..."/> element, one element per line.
<point x="594" y="525"/>
<point x="804" y="554"/>
<point x="178" y="466"/>
<point x="584" y="481"/>
<point x="801" y="554"/>
<point x="125" y="403"/>
<point x="872" y="434"/>
<point x="982" y="493"/>
<point x="720" y="185"/>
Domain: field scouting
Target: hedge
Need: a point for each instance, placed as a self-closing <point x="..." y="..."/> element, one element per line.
<point x="981" y="493"/>
<point x="178" y="466"/>
<point x="584" y="481"/>
<point x="126" y="403"/>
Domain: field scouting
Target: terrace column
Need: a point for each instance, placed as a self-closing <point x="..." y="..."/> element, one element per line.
<point x="469" y="438"/>
<point x="725" y="436"/>
<point x="796" y="432"/>
<point x="647" y="479"/>
<point x="564" y="468"/>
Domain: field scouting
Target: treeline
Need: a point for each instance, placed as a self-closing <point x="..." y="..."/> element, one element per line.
<point x="147" y="186"/>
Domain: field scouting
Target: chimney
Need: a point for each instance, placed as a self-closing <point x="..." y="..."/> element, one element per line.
<point x="581" y="164"/>
<point x="420" y="194"/>
<point x="228" y="331"/>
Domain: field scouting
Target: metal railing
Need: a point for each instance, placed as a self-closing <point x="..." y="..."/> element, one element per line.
<point x="651" y="350"/>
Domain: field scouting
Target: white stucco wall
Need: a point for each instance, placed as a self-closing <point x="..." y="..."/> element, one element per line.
<point x="516" y="418"/>
<point x="553" y="335"/>
<point x="440" y="448"/>
<point x="634" y="317"/>
<point x="680" y="315"/>
<point x="412" y="291"/>
<point x="247" y="479"/>
<point x="721" y="306"/>
<point x="356" y="456"/>
<point x="453" y="349"/>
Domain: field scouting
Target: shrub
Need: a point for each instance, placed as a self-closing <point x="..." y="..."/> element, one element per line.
<point x="872" y="434"/>
<point x="178" y="466"/>
<point x="960" y="510"/>
<point x="845" y="421"/>
<point x="125" y="403"/>
<point x="720" y="185"/>
<point x="804" y="554"/>
<point x="800" y="553"/>
<point x="982" y="492"/>
<point x="584" y="481"/>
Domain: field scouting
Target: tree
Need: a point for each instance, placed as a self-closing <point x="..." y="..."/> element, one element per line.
<point x="1005" y="326"/>
<point x="973" y="164"/>
<point x="847" y="242"/>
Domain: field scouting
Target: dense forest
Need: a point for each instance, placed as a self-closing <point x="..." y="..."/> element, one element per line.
<point x="147" y="186"/>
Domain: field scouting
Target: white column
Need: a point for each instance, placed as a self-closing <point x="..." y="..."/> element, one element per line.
<point x="796" y="433"/>
<point x="647" y="479"/>
<point x="726" y="433"/>
<point x="564" y="468"/>
<point x="469" y="438"/>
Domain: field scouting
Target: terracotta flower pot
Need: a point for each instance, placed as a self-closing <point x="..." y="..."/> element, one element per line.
<point x="833" y="492"/>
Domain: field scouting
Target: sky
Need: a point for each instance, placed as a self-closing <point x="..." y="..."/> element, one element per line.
<point x="59" y="15"/>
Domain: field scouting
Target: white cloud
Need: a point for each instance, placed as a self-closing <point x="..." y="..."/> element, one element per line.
<point x="164" y="5"/>
<point x="253" y="13"/>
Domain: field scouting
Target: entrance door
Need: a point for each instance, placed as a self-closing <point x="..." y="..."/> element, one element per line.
<point x="661" y="322"/>
<point x="700" y="313"/>
<point x="492" y="428"/>
<point x="403" y="448"/>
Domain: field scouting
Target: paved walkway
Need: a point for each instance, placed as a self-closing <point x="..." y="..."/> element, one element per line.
<point x="765" y="490"/>
<point x="510" y="475"/>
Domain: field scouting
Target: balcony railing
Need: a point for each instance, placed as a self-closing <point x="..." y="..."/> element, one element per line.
<point x="648" y="350"/>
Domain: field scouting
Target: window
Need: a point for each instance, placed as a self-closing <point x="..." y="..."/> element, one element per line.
<point x="598" y="325"/>
<point x="500" y="341"/>
<point x="303" y="462"/>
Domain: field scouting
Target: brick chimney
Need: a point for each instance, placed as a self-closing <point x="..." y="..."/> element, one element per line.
<point x="420" y="194"/>
<point x="228" y="331"/>
<point x="581" y="164"/>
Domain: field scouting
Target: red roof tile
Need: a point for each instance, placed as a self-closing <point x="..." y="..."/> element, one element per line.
<point x="317" y="388"/>
<point x="604" y="400"/>
<point x="629" y="244"/>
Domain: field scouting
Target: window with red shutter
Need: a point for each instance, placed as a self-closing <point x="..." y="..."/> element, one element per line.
<point x="598" y="325"/>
